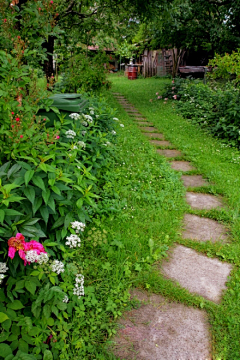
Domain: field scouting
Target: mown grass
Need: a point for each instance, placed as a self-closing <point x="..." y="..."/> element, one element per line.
<point x="145" y="182"/>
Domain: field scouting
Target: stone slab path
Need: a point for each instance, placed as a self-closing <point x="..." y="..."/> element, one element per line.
<point x="161" y="329"/>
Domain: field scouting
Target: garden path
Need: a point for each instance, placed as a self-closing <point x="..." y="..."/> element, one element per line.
<point x="161" y="329"/>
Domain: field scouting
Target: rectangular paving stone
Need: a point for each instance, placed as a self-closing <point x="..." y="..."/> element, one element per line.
<point x="149" y="129"/>
<point x="203" y="201"/>
<point x="154" y="135"/>
<point x="203" y="229"/>
<point x="169" y="153"/>
<point x="193" y="180"/>
<point x="162" y="330"/>
<point x="160" y="143"/>
<point x="182" y="166"/>
<point x="144" y="123"/>
<point x="196" y="272"/>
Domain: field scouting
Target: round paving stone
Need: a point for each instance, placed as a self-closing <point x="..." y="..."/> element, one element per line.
<point x="162" y="330"/>
<point x="169" y="153"/>
<point x="182" y="166"/>
<point x="203" y="229"/>
<point x="193" y="180"/>
<point x="203" y="201"/>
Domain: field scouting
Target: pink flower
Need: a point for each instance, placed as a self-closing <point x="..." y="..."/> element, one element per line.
<point x="175" y="97"/>
<point x="12" y="113"/>
<point x="21" y="136"/>
<point x="51" y="2"/>
<point x="17" y="119"/>
<point x="173" y="88"/>
<point x="57" y="137"/>
<point x="12" y="126"/>
<point x="5" y="20"/>
<point x="34" y="245"/>
<point x="166" y="99"/>
<point x="173" y="82"/>
<point x="16" y="243"/>
<point x="159" y="97"/>
<point x="157" y="93"/>
<point x="39" y="9"/>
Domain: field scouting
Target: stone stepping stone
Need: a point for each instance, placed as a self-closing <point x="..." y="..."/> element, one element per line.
<point x="139" y="118"/>
<point x="162" y="330"/>
<point x="154" y="135"/>
<point x="193" y="180"/>
<point x="203" y="229"/>
<point x="197" y="273"/>
<point x="149" y="129"/>
<point x="202" y="201"/>
<point x="144" y="123"/>
<point x="134" y="114"/>
<point x="133" y="110"/>
<point x="182" y="166"/>
<point x="169" y="153"/>
<point x="161" y="143"/>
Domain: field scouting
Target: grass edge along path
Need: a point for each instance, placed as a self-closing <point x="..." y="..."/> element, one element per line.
<point x="216" y="163"/>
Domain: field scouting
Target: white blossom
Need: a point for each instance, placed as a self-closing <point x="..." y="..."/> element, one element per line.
<point x="74" y="116"/>
<point x="32" y="256"/>
<point x="65" y="299"/>
<point x="121" y="125"/>
<point x="92" y="112"/>
<point x="116" y="119"/>
<point x="70" y="134"/>
<point x="57" y="267"/>
<point x="73" y="241"/>
<point x="78" y="226"/>
<point x="97" y="116"/>
<point x="43" y="258"/>
<point x="84" y="132"/>
<point x="3" y="267"/>
<point x="79" y="288"/>
<point x="1" y="278"/>
<point x="81" y="144"/>
<point x="113" y="132"/>
<point x="84" y="123"/>
<point x="91" y="108"/>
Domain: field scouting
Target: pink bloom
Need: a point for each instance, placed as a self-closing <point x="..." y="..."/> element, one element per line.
<point x="39" y="9"/>
<point x="175" y="97"/>
<point x="16" y="244"/>
<point x="12" y="113"/>
<point x="157" y="93"/>
<point x="51" y="2"/>
<point x="159" y="97"/>
<point x="173" y="88"/>
<point x="34" y="245"/>
<point x="17" y="119"/>
<point x="44" y="119"/>
<point x="12" y="126"/>
<point x="57" y="137"/>
<point x="5" y="20"/>
<point x="166" y="99"/>
<point x="21" y="136"/>
<point x="173" y="82"/>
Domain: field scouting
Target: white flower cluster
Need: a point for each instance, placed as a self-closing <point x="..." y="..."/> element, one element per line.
<point x="97" y="116"/>
<point x="73" y="241"/>
<point x="116" y="119"/>
<point x="78" y="226"/>
<point x="32" y="256"/>
<point x="79" y="288"/>
<point x="3" y="268"/>
<point x="1" y="278"/>
<point x="65" y="299"/>
<point x="88" y="118"/>
<point x="107" y="143"/>
<point x="113" y="132"/>
<point x="57" y="267"/>
<point x="121" y="125"/>
<point x="74" y="116"/>
<point x="92" y="112"/>
<point x="42" y="258"/>
<point x="81" y="144"/>
<point x="84" y="123"/>
<point x="70" y="134"/>
<point x="91" y="108"/>
<point x="84" y="132"/>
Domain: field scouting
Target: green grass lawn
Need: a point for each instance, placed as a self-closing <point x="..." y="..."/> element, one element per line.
<point x="151" y="197"/>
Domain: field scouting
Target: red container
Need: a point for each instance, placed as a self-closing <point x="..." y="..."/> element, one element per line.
<point x="132" y="72"/>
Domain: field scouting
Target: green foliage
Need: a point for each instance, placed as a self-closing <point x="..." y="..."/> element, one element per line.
<point x="84" y="74"/>
<point x="226" y="67"/>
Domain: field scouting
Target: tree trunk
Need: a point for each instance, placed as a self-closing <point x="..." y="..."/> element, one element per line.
<point x="48" y="64"/>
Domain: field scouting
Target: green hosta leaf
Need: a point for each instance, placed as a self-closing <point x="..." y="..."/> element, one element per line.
<point x="28" y="176"/>
<point x="5" y="350"/>
<point x="15" y="305"/>
<point x="30" y="286"/>
<point x="29" y="192"/>
<point x="38" y="181"/>
<point x="3" y="317"/>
